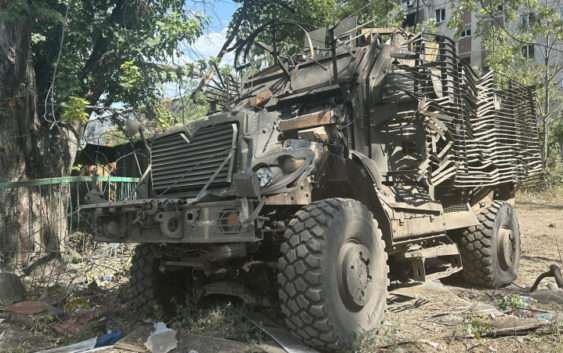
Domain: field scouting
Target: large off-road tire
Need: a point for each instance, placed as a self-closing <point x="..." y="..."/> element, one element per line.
<point x="333" y="274"/>
<point x="149" y="288"/>
<point x="490" y="252"/>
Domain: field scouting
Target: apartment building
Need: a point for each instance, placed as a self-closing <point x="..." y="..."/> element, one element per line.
<point x="470" y="46"/>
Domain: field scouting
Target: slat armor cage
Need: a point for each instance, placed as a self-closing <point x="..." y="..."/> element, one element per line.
<point x="480" y="131"/>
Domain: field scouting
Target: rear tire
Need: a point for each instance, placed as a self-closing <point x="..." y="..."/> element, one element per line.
<point x="490" y="252"/>
<point x="333" y="274"/>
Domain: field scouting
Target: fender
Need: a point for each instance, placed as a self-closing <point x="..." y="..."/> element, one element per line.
<point x="363" y="174"/>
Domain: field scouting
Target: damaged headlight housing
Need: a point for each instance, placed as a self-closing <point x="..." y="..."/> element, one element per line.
<point x="264" y="175"/>
<point x="288" y="164"/>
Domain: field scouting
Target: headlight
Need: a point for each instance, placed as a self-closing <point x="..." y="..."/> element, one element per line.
<point x="264" y="175"/>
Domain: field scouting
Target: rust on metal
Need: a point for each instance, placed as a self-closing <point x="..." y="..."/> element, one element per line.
<point x="308" y="121"/>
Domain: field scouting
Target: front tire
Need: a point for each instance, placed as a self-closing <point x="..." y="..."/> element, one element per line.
<point x="151" y="289"/>
<point x="490" y="252"/>
<point x="333" y="274"/>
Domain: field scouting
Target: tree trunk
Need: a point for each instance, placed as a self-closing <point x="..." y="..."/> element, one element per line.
<point x="30" y="220"/>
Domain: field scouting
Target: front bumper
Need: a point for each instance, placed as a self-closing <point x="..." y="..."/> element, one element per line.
<point x="175" y="221"/>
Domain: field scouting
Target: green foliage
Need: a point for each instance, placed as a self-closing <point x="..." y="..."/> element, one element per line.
<point x="74" y="110"/>
<point x="512" y="302"/>
<point x="130" y="76"/>
<point x="476" y="325"/>
<point x="162" y="116"/>
<point x="113" y="50"/>
<point x="312" y="14"/>
<point x="18" y="10"/>
<point x="179" y="111"/>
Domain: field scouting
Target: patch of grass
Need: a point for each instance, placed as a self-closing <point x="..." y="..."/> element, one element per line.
<point x="512" y="302"/>
<point x="476" y="325"/>
<point x="553" y="193"/>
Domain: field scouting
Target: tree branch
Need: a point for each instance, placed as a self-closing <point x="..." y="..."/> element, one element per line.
<point x="224" y="50"/>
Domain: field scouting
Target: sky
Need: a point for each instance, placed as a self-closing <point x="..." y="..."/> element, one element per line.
<point x="219" y="13"/>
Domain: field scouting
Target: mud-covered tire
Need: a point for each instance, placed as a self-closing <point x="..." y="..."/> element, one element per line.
<point x="490" y="252"/>
<point x="333" y="274"/>
<point x="143" y="278"/>
<point x="149" y="288"/>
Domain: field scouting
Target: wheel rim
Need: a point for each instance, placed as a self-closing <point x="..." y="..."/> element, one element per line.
<point x="506" y="249"/>
<point x="355" y="279"/>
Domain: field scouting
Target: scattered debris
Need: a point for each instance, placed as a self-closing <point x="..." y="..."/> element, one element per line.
<point x="513" y="327"/>
<point x="11" y="289"/>
<point x="287" y="341"/>
<point x="555" y="272"/>
<point x="90" y="345"/>
<point x="109" y="338"/>
<point x="28" y="307"/>
<point x="135" y="340"/>
<point x="547" y="316"/>
<point x="417" y="303"/>
<point x="79" y="347"/>
<point x="75" y="323"/>
<point x="106" y="278"/>
<point x="162" y="339"/>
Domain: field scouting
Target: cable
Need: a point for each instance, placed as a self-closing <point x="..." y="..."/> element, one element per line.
<point x="50" y="96"/>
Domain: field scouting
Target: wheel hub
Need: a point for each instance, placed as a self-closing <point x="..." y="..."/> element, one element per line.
<point x="506" y="247"/>
<point x="355" y="274"/>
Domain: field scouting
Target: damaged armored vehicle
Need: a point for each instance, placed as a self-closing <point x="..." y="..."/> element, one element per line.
<point x="371" y="157"/>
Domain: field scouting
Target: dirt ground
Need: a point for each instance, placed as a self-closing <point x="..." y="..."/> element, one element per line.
<point x="446" y="313"/>
<point x="435" y="317"/>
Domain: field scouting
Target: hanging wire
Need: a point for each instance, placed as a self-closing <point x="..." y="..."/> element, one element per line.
<point x="50" y="96"/>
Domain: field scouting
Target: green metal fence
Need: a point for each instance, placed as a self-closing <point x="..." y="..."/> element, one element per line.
<point x="47" y="214"/>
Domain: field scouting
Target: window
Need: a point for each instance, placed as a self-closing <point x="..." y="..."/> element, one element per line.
<point x="440" y="15"/>
<point x="466" y="33"/>
<point x="528" y="51"/>
<point x="527" y="20"/>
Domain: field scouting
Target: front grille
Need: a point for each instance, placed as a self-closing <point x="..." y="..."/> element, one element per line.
<point x="185" y="164"/>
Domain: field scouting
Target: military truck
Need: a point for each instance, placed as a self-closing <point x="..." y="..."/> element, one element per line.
<point x="372" y="157"/>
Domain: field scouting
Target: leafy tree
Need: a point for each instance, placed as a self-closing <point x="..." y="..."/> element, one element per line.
<point x="58" y="58"/>
<point x="511" y="29"/>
